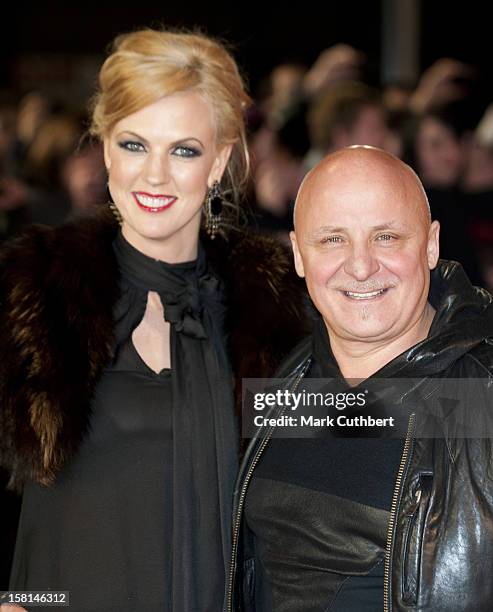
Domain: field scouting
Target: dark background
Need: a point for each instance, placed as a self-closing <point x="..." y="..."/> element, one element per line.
<point x="58" y="46"/>
<point x="262" y="33"/>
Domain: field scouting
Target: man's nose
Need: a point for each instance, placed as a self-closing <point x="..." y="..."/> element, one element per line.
<point x="157" y="169"/>
<point x="361" y="262"/>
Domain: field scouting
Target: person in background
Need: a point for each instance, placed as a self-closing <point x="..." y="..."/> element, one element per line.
<point x="84" y="179"/>
<point x="477" y="185"/>
<point x="281" y="141"/>
<point x="346" y="114"/>
<point x="438" y="149"/>
<point x="37" y="193"/>
<point x="446" y="81"/>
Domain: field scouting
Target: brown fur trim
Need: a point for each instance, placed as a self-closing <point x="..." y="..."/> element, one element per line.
<point x="266" y="305"/>
<point x="58" y="290"/>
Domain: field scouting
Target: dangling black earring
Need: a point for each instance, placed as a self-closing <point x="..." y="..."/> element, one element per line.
<point x="213" y="210"/>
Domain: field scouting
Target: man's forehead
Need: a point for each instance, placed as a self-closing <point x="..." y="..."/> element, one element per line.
<point x="350" y="203"/>
<point x="341" y="227"/>
<point x="363" y="180"/>
<point x="378" y="190"/>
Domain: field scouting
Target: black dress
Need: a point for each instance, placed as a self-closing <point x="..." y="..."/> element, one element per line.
<point x="139" y="519"/>
<point x="103" y="531"/>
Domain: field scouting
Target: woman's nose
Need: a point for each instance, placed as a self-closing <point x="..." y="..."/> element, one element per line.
<point x="157" y="170"/>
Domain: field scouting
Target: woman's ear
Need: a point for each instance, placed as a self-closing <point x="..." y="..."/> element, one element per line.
<point x="220" y="163"/>
<point x="106" y="150"/>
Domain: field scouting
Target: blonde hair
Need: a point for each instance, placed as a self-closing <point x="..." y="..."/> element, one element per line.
<point x="146" y="65"/>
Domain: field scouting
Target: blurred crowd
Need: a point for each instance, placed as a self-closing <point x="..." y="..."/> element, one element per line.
<point x="51" y="171"/>
<point x="442" y="126"/>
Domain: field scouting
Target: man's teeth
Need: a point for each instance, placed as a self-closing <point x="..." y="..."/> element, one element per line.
<point x="364" y="296"/>
<point x="154" y="202"/>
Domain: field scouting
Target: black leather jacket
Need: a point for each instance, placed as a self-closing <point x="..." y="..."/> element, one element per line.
<point x="439" y="553"/>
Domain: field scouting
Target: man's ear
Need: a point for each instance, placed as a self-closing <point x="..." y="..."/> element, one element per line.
<point x="298" y="260"/>
<point x="433" y="246"/>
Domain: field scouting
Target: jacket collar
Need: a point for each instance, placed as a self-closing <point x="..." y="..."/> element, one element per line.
<point x="463" y="320"/>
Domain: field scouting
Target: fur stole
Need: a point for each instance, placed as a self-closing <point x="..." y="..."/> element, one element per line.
<point x="58" y="290"/>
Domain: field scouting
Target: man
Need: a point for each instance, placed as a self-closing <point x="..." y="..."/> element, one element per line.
<point x="359" y="524"/>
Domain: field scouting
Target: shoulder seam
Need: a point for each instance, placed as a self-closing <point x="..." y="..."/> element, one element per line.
<point x="480" y="364"/>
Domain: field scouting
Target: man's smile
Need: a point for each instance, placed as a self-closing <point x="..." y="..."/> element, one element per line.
<point x="365" y="295"/>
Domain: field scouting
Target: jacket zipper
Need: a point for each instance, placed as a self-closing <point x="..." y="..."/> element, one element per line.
<point x="393" y="511"/>
<point x="236" y="527"/>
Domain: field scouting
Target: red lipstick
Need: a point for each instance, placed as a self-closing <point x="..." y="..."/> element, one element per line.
<point x="153" y="203"/>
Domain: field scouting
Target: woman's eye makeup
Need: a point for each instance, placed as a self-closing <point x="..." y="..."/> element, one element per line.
<point x="132" y="145"/>
<point x="186" y="151"/>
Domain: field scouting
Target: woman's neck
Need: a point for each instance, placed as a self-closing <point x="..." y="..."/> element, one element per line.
<point x="171" y="250"/>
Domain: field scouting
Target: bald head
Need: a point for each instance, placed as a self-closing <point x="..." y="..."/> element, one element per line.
<point x="367" y="170"/>
<point x="365" y="245"/>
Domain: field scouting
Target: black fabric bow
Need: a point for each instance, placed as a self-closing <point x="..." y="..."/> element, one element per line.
<point x="204" y="429"/>
<point x="186" y="290"/>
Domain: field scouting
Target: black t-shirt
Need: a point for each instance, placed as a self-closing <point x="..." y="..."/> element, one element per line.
<point x="319" y="511"/>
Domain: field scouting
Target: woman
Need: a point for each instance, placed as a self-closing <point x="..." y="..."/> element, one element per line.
<point x="117" y="403"/>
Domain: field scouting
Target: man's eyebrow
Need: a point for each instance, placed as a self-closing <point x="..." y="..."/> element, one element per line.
<point x="386" y="226"/>
<point x="328" y="229"/>
<point x="339" y="229"/>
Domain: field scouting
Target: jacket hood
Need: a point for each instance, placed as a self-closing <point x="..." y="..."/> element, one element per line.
<point x="463" y="320"/>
